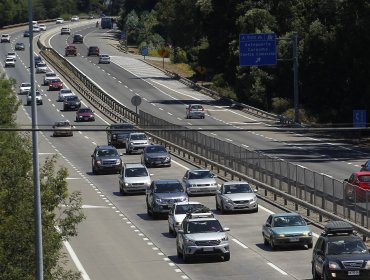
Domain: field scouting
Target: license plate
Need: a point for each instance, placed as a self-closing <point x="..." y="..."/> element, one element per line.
<point x="354" y="272"/>
<point x="208" y="249"/>
<point x="72" y="106"/>
<point x="158" y="162"/>
<point x="294" y="239"/>
<point x="86" y="118"/>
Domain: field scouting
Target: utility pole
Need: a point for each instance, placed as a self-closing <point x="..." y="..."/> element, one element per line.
<point x="295" y="70"/>
<point x="35" y="157"/>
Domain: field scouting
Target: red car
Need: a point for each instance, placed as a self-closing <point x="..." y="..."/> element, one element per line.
<point x="357" y="187"/>
<point x="85" y="114"/>
<point x="55" y="84"/>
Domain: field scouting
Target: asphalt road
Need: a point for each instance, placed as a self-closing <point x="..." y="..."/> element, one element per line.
<point x="118" y="240"/>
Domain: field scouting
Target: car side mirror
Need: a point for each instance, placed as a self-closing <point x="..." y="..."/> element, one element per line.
<point x="226" y="229"/>
<point x="362" y="165"/>
<point x="149" y="138"/>
<point x="309" y="223"/>
<point x="120" y="154"/>
<point x="267" y="225"/>
<point x="255" y="190"/>
<point x="92" y="155"/>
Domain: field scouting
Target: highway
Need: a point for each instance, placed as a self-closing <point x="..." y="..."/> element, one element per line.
<point x="118" y="240"/>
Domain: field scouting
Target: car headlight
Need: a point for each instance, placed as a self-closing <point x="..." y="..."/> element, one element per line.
<point x="118" y="161"/>
<point x="168" y="158"/>
<point x="192" y="185"/>
<point x="114" y="135"/>
<point x="333" y="265"/>
<point x="280" y="235"/>
<point x="367" y="265"/>
<point x="308" y="233"/>
<point x="227" y="200"/>
<point x="189" y="242"/>
<point x="98" y="162"/>
<point x="183" y="199"/>
<point x="127" y="185"/>
<point x="132" y="143"/>
<point x="225" y="238"/>
<point x="146" y="158"/>
<point x="158" y="200"/>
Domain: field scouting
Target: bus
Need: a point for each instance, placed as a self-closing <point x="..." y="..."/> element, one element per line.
<point x="106" y="22"/>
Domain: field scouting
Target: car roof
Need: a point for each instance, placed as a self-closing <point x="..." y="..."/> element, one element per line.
<point x="104" y="147"/>
<point x="198" y="169"/>
<point x="201" y="219"/>
<point x="188" y="203"/>
<point x="235" y="182"/>
<point x="362" y="173"/>
<point x="284" y="214"/>
<point x="163" y="181"/>
<point x="134" y="165"/>
<point x="121" y="124"/>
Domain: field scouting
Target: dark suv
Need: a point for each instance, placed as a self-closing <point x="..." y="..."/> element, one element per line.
<point x="93" y="51"/>
<point x="340" y="254"/>
<point x="78" y="38"/>
<point x="71" y="103"/>
<point x="117" y="133"/>
<point x="106" y="159"/>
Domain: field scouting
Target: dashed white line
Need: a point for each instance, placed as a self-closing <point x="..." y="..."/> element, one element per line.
<point x="239" y="243"/>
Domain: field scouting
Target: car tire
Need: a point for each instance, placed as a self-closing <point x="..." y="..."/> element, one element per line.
<point x="94" y="170"/>
<point x="41" y="103"/>
<point x="170" y="230"/>
<point x="315" y="275"/>
<point x="155" y="215"/>
<point x="222" y="209"/>
<point x="226" y="257"/>
<point x="28" y="103"/>
<point x="185" y="257"/>
<point x="265" y="241"/>
<point x="272" y="244"/>
<point x="71" y="134"/>
<point x="310" y="245"/>
<point x="148" y="211"/>
<point x="255" y="210"/>
<point x="324" y="275"/>
<point x="217" y="206"/>
<point x="179" y="252"/>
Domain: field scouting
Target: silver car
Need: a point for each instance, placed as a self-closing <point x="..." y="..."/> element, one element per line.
<point x="136" y="142"/>
<point x="24" y="88"/>
<point x="38" y="98"/>
<point x="200" y="181"/>
<point x="104" y="58"/>
<point x="48" y="77"/>
<point x="63" y="93"/>
<point x="202" y="236"/>
<point x="41" y="68"/>
<point x="195" y="111"/>
<point x="236" y="196"/>
<point x="134" y="178"/>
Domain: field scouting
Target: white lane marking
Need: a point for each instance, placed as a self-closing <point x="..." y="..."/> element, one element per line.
<point x="46" y="153"/>
<point x="75" y="259"/>
<point x="278" y="269"/>
<point x="239" y="243"/>
<point x="265" y="209"/>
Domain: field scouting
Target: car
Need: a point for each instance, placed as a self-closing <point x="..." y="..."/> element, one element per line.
<point x="117" y="134"/>
<point x="357" y="186"/>
<point x="55" y="84"/>
<point x="236" y="196"/>
<point x="78" y="38"/>
<point x="5" y="38"/>
<point x="24" y="88"/>
<point x="340" y="254"/>
<point x="104" y="59"/>
<point x="195" y="111"/>
<point x="75" y="18"/>
<point x="26" y="33"/>
<point x="200" y="181"/>
<point x="41" y="68"/>
<point x="85" y="114"/>
<point x="34" y="22"/>
<point x="12" y="55"/>
<point x="63" y="93"/>
<point x="19" y="46"/>
<point x="48" y="77"/>
<point x="136" y="142"/>
<point x="202" y="235"/>
<point x="91" y="17"/>
<point x="178" y="212"/>
<point x="70" y="50"/>
<point x="36" y="28"/>
<point x="162" y="194"/>
<point x="134" y="178"/>
<point x="365" y="166"/>
<point x="37" y="59"/>
<point x="93" y="50"/>
<point x="62" y="128"/>
<point x="286" y="229"/>
<point x="156" y="155"/>
<point x="71" y="103"/>
<point x="65" y="31"/>
<point x="38" y="98"/>
<point x="42" y="27"/>
<point x="9" y="62"/>
<point x="105" y="159"/>
<point x="59" y="21"/>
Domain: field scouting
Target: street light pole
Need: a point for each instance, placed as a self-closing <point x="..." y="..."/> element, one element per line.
<point x="295" y="70"/>
<point x="35" y="157"/>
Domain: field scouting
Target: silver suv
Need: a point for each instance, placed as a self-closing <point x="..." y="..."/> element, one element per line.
<point x="202" y="235"/>
<point x="134" y="178"/>
<point x="200" y="181"/>
<point x="136" y="141"/>
<point x="162" y="194"/>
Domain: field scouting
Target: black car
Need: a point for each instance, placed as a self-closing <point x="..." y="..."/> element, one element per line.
<point x="37" y="59"/>
<point x="19" y="46"/>
<point x="117" y="134"/>
<point x="93" y="50"/>
<point x="71" y="103"/>
<point x="78" y="38"/>
<point x="156" y="155"/>
<point x="340" y="254"/>
<point x="106" y="159"/>
<point x="26" y="33"/>
<point x="365" y="166"/>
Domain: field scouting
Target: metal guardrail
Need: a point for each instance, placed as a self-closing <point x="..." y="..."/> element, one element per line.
<point x="262" y="171"/>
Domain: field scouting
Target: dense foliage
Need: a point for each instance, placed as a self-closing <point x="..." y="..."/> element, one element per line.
<point x="333" y="37"/>
<point x="17" y="227"/>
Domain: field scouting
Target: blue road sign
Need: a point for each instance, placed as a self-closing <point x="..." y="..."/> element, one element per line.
<point x="257" y="49"/>
<point x="359" y="118"/>
<point x="144" y="51"/>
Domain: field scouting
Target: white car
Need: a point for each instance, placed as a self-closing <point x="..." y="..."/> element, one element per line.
<point x="104" y="58"/>
<point x="41" y="68"/>
<point x="64" y="92"/>
<point x="38" y="98"/>
<point x="65" y="30"/>
<point x="11" y="55"/>
<point x="42" y="27"/>
<point x="24" y="88"/>
<point x="10" y="62"/>
<point x="49" y="76"/>
<point x="178" y="213"/>
<point x="59" y="21"/>
<point x="5" y="38"/>
<point x="36" y="28"/>
<point x="75" y="18"/>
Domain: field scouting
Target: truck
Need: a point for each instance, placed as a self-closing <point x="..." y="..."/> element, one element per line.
<point x="106" y="22"/>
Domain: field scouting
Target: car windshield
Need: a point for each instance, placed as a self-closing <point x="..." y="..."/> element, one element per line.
<point x="25" y="85"/>
<point x="59" y="124"/>
<point x="63" y="91"/>
<point x="155" y="149"/>
<point x="85" y="110"/>
<point x="121" y="126"/>
<point x="56" y="81"/>
<point x="203" y="226"/>
<point x="185" y="208"/>
<point x="50" y="74"/>
<point x="168" y="187"/>
<point x="138" y="137"/>
<point x="339" y="247"/>
<point x="288" y="221"/>
<point x="72" y="98"/>
<point x="107" y="152"/>
<point x="196" y="107"/>
<point x="201" y="174"/>
<point x="237" y="188"/>
<point x="136" y="172"/>
<point x="41" y="65"/>
<point x="365" y="178"/>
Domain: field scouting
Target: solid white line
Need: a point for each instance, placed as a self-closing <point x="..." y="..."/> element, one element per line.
<point x="265" y="209"/>
<point x="278" y="269"/>
<point x="239" y="243"/>
<point x="75" y="259"/>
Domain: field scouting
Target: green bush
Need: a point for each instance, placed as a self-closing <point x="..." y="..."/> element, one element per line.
<point x="280" y="105"/>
